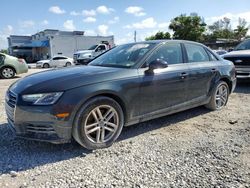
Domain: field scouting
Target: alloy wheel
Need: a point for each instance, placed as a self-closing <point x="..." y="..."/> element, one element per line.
<point x="221" y="96"/>
<point x="101" y="124"/>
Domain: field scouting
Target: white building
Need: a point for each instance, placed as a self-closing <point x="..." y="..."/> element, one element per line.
<point x="48" y="43"/>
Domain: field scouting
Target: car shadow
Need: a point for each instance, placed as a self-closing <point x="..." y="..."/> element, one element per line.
<point x="243" y="86"/>
<point x="20" y="155"/>
<point x="169" y="120"/>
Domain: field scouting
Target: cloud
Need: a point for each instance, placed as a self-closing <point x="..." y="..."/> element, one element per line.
<point x="164" y="25"/>
<point x="6" y="32"/>
<point x="89" y="20"/>
<point x="104" y="10"/>
<point x="136" y="11"/>
<point x="26" y="23"/>
<point x="88" y="12"/>
<point x="233" y="17"/>
<point x="45" y="22"/>
<point x="102" y="29"/>
<point x="74" y="13"/>
<point x="69" y="25"/>
<point x="114" y="20"/>
<point x="144" y="24"/>
<point x="90" y="32"/>
<point x="56" y="10"/>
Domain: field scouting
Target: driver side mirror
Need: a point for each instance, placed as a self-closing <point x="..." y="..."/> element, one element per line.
<point x="157" y="64"/>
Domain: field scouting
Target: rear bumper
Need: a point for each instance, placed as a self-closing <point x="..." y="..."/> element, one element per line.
<point x="22" y="68"/>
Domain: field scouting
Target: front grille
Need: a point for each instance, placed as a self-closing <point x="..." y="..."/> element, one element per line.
<point x="240" y="60"/>
<point x="75" y="57"/>
<point x="43" y="129"/>
<point x="10" y="105"/>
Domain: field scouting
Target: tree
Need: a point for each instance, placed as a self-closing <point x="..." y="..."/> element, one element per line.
<point x="241" y="31"/>
<point x="188" y="27"/>
<point x="159" y="35"/>
<point x="4" y="51"/>
<point x="221" y="29"/>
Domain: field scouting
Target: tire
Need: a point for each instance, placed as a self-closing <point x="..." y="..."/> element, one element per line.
<point x="7" y="72"/>
<point x="98" y="123"/>
<point x="219" y="96"/>
<point x="46" y="65"/>
<point x="68" y="64"/>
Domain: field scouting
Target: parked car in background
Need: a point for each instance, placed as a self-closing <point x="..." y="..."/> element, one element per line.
<point x="56" y="61"/>
<point x="11" y="66"/>
<point x="129" y="84"/>
<point x="83" y="57"/>
<point x="240" y="56"/>
<point x="220" y="52"/>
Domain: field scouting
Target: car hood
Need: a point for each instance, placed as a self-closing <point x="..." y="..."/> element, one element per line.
<point x="84" y="51"/>
<point x="68" y="78"/>
<point x="237" y="53"/>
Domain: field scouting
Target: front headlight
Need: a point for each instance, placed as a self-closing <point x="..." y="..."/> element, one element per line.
<point x="42" y="98"/>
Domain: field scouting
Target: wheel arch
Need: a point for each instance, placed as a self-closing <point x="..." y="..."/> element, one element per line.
<point x="116" y="98"/>
<point x="108" y="94"/>
<point x="229" y="83"/>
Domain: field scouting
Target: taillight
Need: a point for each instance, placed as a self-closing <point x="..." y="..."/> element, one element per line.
<point x="21" y="61"/>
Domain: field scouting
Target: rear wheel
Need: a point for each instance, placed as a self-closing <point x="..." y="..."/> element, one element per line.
<point x="7" y="72"/>
<point x="46" y="65"/>
<point x="98" y="123"/>
<point x="219" y="96"/>
<point x="68" y="64"/>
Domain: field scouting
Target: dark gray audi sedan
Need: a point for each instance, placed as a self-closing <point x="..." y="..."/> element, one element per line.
<point x="129" y="84"/>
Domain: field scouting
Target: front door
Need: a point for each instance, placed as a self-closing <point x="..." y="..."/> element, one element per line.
<point x="165" y="88"/>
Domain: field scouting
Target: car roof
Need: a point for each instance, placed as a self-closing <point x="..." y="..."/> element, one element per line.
<point x="165" y="41"/>
<point x="60" y="56"/>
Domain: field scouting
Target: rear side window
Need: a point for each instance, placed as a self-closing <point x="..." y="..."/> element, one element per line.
<point x="211" y="56"/>
<point x="2" y="59"/>
<point x="171" y="53"/>
<point x="196" y="53"/>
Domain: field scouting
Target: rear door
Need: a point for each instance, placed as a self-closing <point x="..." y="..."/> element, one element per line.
<point x="202" y="70"/>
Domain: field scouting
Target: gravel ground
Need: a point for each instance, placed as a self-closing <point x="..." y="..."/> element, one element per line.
<point x="195" y="148"/>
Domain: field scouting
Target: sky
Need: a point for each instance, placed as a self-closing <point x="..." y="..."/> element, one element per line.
<point x="110" y="17"/>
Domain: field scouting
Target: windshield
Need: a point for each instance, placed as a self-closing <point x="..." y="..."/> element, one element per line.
<point x="245" y="45"/>
<point x="124" y="56"/>
<point x="93" y="47"/>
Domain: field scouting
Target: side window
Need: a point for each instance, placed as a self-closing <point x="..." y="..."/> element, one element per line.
<point x="211" y="56"/>
<point x="171" y="53"/>
<point x="55" y="58"/>
<point x="1" y="59"/>
<point x="196" y="53"/>
<point x="102" y="47"/>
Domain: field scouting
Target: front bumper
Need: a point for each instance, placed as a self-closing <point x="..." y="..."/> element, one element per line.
<point x="36" y="122"/>
<point x="243" y="72"/>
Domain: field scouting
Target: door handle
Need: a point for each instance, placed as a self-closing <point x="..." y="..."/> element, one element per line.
<point x="183" y="75"/>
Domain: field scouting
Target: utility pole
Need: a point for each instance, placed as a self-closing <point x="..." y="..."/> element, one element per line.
<point x="135" y="36"/>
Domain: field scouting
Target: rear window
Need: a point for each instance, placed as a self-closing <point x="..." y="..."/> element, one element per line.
<point x="196" y="53"/>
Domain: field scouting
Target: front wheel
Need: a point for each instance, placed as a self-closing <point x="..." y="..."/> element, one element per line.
<point x="98" y="123"/>
<point x="219" y="96"/>
<point x="46" y="65"/>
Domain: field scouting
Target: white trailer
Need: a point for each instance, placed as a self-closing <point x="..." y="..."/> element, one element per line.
<point x="68" y="45"/>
